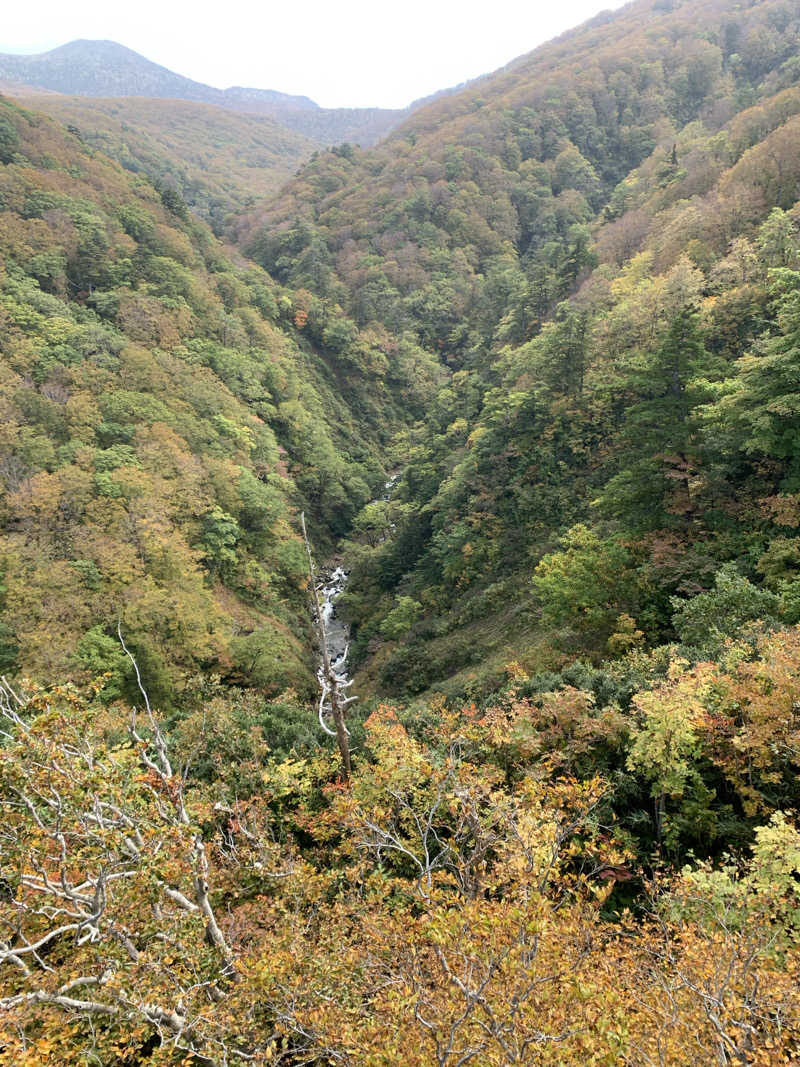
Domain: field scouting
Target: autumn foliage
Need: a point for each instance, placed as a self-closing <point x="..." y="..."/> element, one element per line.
<point x="463" y="898"/>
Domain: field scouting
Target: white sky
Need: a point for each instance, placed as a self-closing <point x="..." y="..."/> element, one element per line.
<point x="341" y="53"/>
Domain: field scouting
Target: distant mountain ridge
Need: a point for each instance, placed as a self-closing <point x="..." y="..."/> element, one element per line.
<point x="102" y="68"/>
<point x="108" y="69"/>
<point x="216" y="159"/>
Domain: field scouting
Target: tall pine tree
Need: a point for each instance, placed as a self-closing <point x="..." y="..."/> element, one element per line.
<point x="659" y="441"/>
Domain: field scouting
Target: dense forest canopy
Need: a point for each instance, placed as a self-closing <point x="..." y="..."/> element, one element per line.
<point x="217" y="161"/>
<point x="530" y="369"/>
<point x="568" y="237"/>
<point x="165" y="412"/>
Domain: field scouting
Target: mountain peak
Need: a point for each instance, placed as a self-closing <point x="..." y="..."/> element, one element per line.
<point x="102" y="68"/>
<point x="82" y="44"/>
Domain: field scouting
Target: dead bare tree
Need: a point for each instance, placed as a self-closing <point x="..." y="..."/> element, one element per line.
<point x="174" y="787"/>
<point x="332" y="700"/>
<point x="83" y="842"/>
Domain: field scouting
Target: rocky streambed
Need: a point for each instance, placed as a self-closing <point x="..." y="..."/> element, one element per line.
<point x="337" y="633"/>
<point x="332" y="583"/>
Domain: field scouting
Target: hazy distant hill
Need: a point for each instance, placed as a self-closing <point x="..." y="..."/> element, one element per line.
<point x="218" y="161"/>
<point x="327" y="126"/>
<point x="102" y="68"/>
<point x="108" y="69"/>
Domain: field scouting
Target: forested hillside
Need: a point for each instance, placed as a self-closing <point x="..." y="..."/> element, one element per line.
<point x="164" y="414"/>
<point x="530" y="367"/>
<point x="217" y="161"/>
<point x="589" y="240"/>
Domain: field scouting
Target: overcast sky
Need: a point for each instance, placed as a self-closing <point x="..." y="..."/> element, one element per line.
<point x="342" y="53"/>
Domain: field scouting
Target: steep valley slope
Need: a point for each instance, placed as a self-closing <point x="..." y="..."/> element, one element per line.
<point x="598" y="243"/>
<point x="166" y="412"/>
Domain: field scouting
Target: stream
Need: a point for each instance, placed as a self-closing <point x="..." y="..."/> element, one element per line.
<point x="337" y="632"/>
<point x="333" y="582"/>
